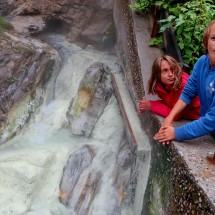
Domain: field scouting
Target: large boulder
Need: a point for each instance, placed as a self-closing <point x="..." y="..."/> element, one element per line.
<point x="75" y="176"/>
<point x="25" y="65"/>
<point x="94" y="93"/>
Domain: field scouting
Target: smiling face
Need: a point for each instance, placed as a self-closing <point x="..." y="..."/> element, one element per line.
<point x="211" y="45"/>
<point x="167" y="73"/>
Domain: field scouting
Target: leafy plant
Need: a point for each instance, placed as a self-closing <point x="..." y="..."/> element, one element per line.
<point x="142" y="5"/>
<point x="188" y="20"/>
<point x="156" y="41"/>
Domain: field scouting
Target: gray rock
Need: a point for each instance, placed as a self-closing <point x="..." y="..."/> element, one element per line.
<point x="94" y="93"/>
<point x="75" y="166"/>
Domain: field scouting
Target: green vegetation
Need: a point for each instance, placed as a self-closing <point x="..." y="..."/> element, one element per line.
<point x="156" y="41"/>
<point x="144" y="6"/>
<point x="188" y="20"/>
<point x="4" y="25"/>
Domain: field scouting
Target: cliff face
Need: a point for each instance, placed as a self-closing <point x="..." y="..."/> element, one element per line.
<point x="26" y="63"/>
<point x="79" y="20"/>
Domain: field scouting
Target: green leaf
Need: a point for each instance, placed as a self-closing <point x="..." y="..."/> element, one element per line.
<point x="181" y="45"/>
<point x="170" y="18"/>
<point x="164" y="27"/>
<point x="156" y="41"/>
<point x="187" y="35"/>
<point x="179" y="30"/>
<point x="189" y="19"/>
<point x="188" y="52"/>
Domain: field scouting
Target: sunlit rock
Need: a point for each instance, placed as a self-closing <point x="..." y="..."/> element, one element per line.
<point x="94" y="93"/>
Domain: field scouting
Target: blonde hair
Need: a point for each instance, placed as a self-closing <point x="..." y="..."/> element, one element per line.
<point x="207" y="34"/>
<point x="156" y="73"/>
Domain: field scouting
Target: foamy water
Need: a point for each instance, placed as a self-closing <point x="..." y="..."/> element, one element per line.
<point x="31" y="164"/>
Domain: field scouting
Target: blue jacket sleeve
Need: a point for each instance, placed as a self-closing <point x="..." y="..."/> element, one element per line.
<point x="190" y="89"/>
<point x="204" y="125"/>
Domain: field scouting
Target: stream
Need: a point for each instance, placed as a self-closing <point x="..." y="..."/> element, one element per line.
<point x="32" y="163"/>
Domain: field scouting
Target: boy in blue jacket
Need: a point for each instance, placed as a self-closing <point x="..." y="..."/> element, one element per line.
<point x="201" y="83"/>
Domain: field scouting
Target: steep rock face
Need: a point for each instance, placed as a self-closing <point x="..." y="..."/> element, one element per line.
<point x="72" y="16"/>
<point x="25" y="64"/>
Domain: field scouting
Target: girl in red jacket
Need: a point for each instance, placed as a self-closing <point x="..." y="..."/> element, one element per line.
<point x="167" y="81"/>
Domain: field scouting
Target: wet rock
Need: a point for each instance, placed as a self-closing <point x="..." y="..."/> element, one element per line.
<point x="122" y="177"/>
<point x="25" y="64"/>
<point x="100" y="32"/>
<point x="125" y="156"/>
<point x="82" y="199"/>
<point x="94" y="93"/>
<point x="75" y="166"/>
<point x="27" y="25"/>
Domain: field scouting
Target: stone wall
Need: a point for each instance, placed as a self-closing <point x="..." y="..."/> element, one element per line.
<point x="127" y="49"/>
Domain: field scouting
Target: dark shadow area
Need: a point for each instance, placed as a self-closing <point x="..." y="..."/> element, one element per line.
<point x="56" y="26"/>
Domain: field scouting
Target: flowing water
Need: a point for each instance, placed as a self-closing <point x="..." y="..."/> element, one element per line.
<point x="31" y="164"/>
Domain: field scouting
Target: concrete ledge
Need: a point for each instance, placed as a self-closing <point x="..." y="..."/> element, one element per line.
<point x="192" y="177"/>
<point x="194" y="154"/>
<point x="138" y="138"/>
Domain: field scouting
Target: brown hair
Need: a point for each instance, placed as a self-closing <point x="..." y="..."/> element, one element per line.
<point x="156" y="73"/>
<point x="207" y="34"/>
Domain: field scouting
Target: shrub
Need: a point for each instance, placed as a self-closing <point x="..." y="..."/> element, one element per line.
<point x="188" y="20"/>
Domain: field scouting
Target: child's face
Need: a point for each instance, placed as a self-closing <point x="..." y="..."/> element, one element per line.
<point x="167" y="73"/>
<point x="211" y="45"/>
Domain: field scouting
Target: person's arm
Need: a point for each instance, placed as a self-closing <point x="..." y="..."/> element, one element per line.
<point x="197" y="128"/>
<point x="143" y="105"/>
<point x="158" y="107"/>
<point x="176" y="110"/>
<point x="166" y="132"/>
